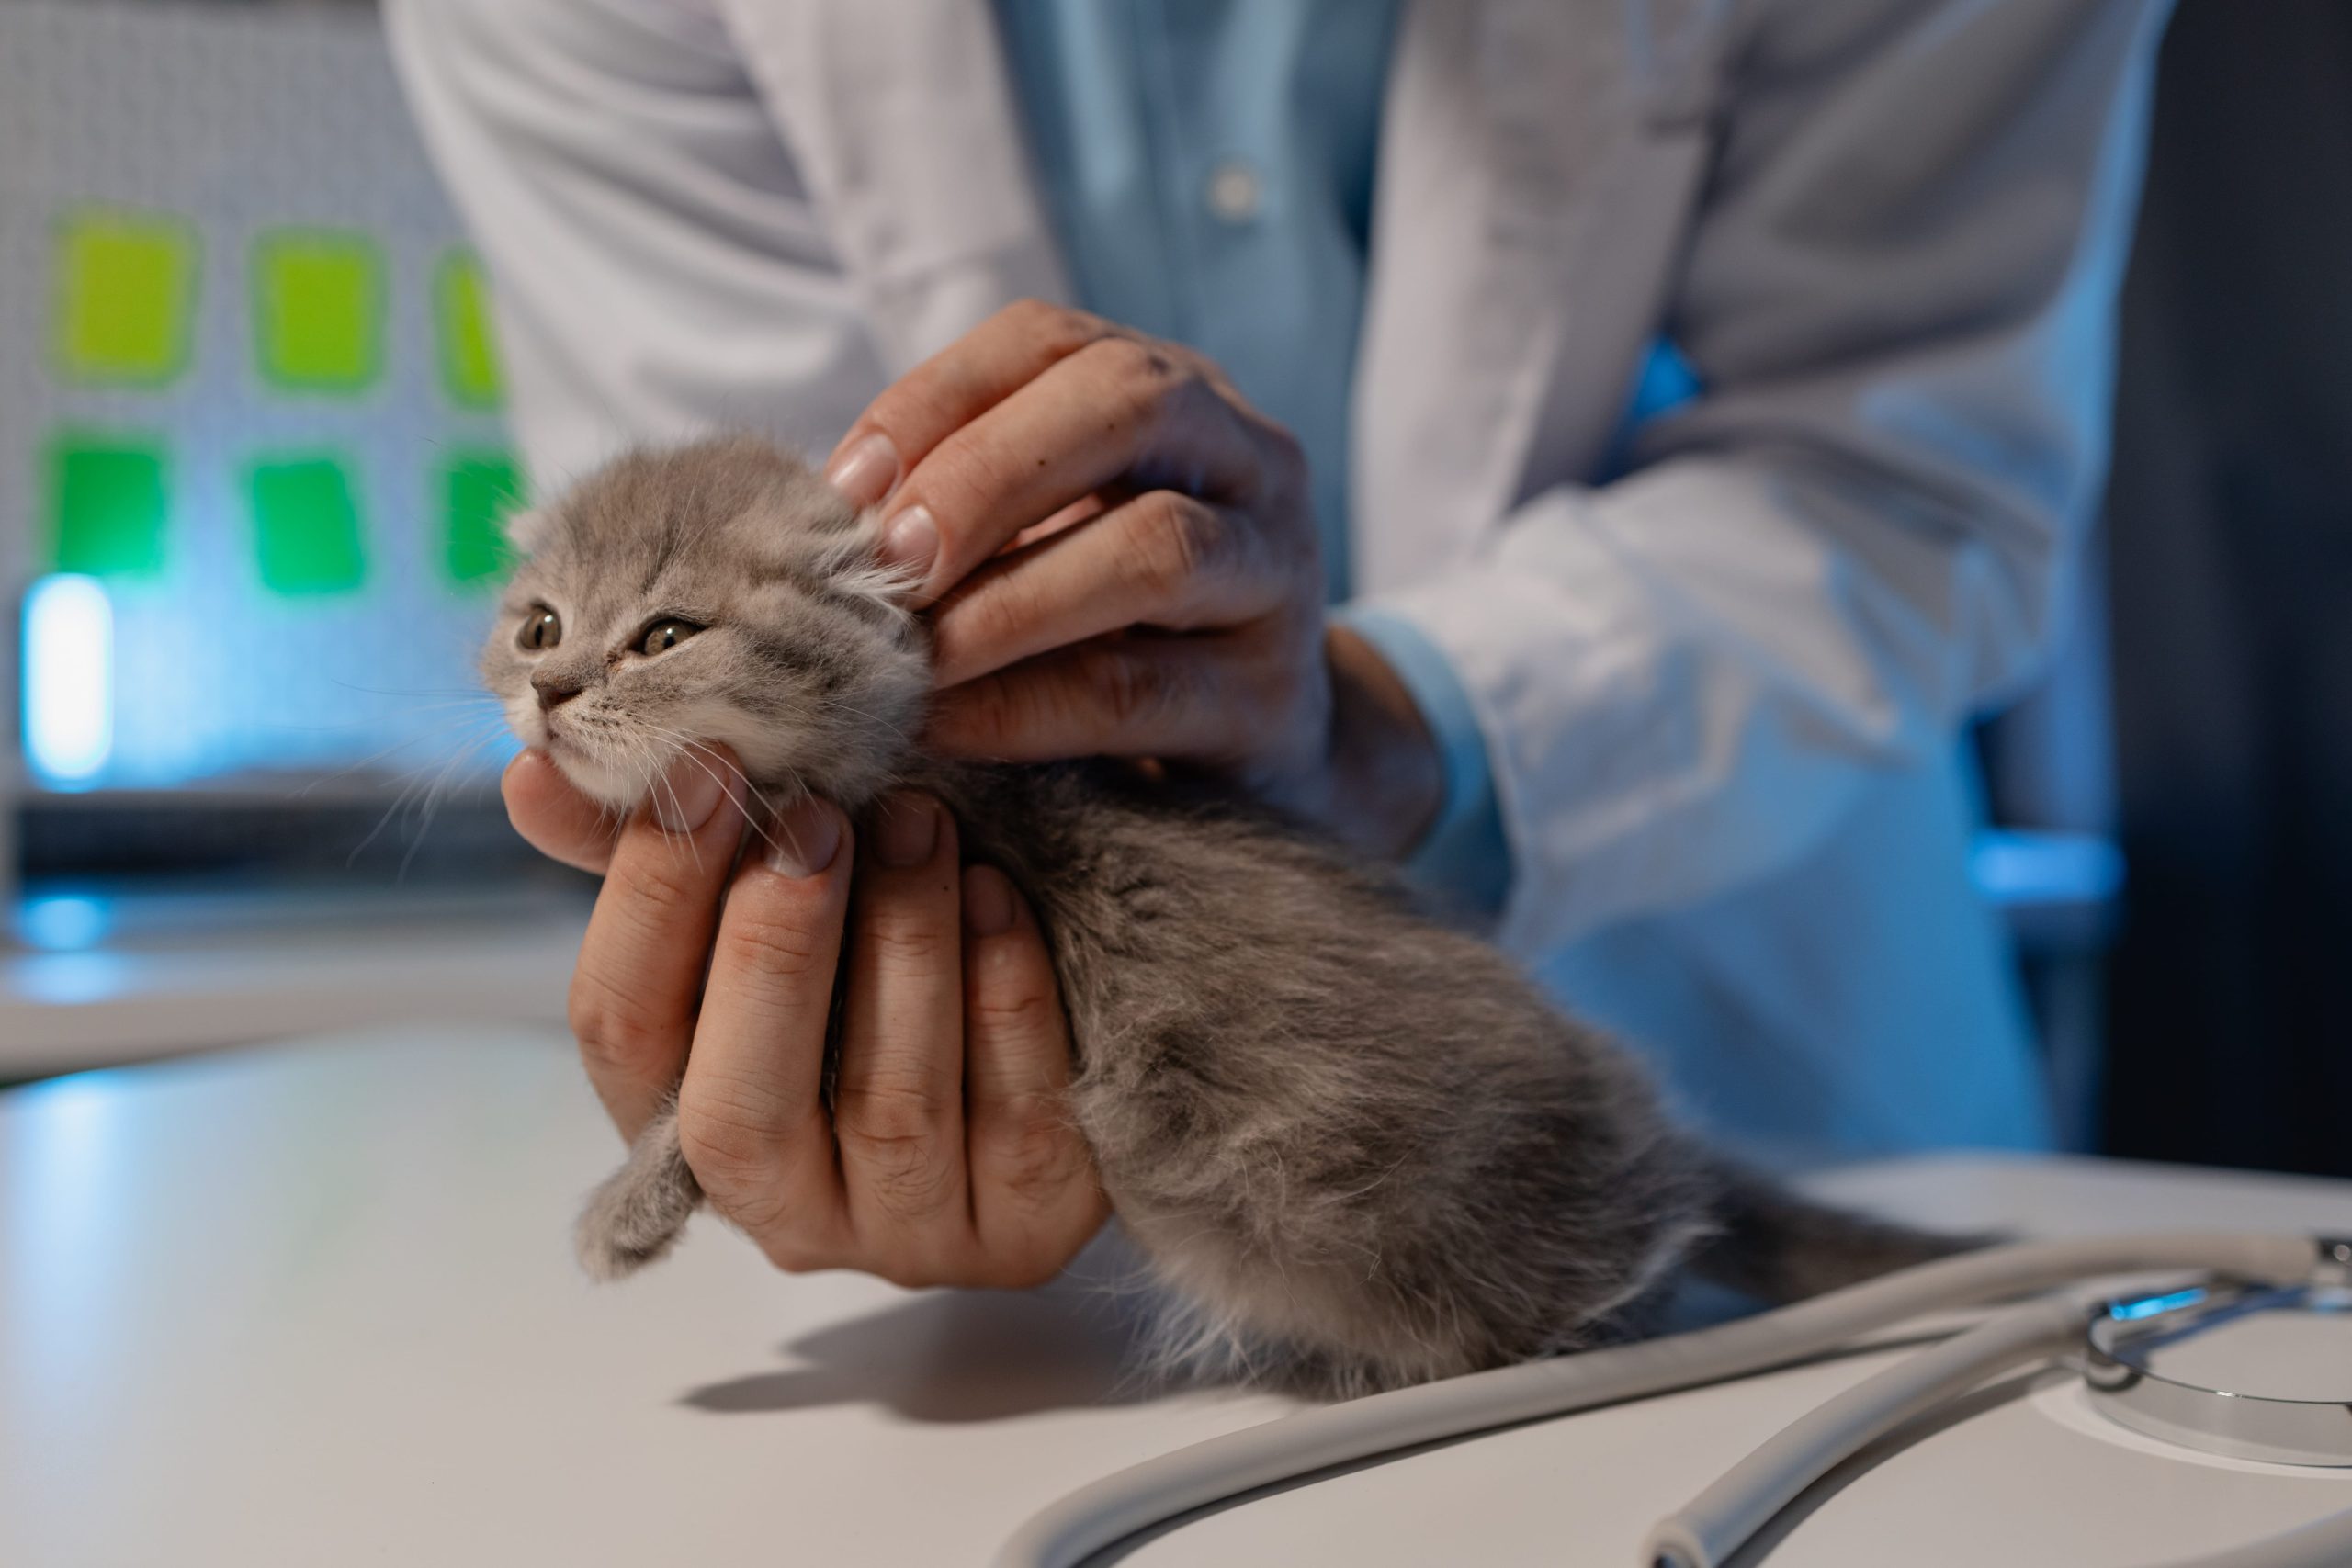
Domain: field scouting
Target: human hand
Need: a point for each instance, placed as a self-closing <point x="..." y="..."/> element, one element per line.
<point x="1125" y="561"/>
<point x="948" y="1156"/>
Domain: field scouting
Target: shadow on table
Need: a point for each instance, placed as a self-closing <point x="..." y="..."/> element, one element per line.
<point x="953" y="1356"/>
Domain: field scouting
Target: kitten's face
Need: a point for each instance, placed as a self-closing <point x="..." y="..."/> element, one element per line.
<point x="718" y="593"/>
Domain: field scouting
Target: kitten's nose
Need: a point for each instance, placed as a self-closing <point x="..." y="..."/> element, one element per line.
<point x="554" y="689"/>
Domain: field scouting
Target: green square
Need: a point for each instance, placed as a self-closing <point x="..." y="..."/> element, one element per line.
<point x="306" y="526"/>
<point x="478" y="491"/>
<point x="318" y="310"/>
<point x="105" y="506"/>
<point x="470" y="372"/>
<point x="126" y="297"/>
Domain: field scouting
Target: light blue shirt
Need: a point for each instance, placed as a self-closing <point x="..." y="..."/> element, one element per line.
<point x="1209" y="167"/>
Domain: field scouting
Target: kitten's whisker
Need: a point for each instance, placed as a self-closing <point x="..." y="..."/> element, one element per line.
<point x="678" y="813"/>
<point x="800" y="856"/>
<point x="696" y="751"/>
<point x="841" y="706"/>
<point x="431" y="799"/>
<point x="375" y="757"/>
<point x="413" y="779"/>
<point x="641" y="756"/>
<point x="474" y="692"/>
<point x="392" y="813"/>
<point x="407" y="776"/>
<point x="699" y="750"/>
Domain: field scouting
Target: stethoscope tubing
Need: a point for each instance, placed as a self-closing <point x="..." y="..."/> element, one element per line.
<point x="1105" y="1512"/>
<point x="1723" y="1518"/>
<point x="1720" y="1520"/>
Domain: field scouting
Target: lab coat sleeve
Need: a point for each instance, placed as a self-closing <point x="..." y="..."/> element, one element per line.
<point x="1898" y="296"/>
<point x="658" y="266"/>
<point x="1462" y="862"/>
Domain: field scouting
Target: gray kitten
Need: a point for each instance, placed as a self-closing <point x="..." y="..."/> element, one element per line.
<point x="1358" y="1149"/>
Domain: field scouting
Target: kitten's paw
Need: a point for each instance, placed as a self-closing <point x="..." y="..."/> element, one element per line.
<point x="635" y="1218"/>
<point x="609" y="1253"/>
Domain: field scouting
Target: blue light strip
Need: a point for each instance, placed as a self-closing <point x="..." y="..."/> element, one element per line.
<point x="69" y="680"/>
<point x="2014" y="867"/>
<point x="2155" y="1306"/>
<point x="62" y="923"/>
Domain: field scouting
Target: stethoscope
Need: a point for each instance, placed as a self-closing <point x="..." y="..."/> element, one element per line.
<point x="2213" y="1361"/>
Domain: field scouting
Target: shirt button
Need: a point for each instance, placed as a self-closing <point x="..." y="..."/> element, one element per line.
<point x="1234" y="195"/>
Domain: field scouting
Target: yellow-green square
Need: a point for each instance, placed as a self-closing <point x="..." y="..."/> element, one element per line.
<point x="470" y="371"/>
<point x="306" y="526"/>
<point x="125" y="297"/>
<point x="106" y="505"/>
<point x="478" y="491"/>
<point x="318" y="310"/>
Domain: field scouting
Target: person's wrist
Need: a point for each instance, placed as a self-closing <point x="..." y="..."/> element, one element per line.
<point x="1384" y="775"/>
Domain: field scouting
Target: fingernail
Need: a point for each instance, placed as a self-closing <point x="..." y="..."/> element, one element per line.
<point x="806" y="835"/>
<point x="911" y="542"/>
<point x="867" y="471"/>
<point x="906" y="832"/>
<point x="686" y="795"/>
<point x="988" y="901"/>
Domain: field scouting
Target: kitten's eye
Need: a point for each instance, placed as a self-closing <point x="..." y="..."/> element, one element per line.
<point x="663" y="636"/>
<point x="542" y="630"/>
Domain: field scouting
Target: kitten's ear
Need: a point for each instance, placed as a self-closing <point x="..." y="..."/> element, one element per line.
<point x="851" y="560"/>
<point x="529" y="529"/>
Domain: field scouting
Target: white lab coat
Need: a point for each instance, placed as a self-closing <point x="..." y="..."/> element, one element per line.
<point x="1722" y="695"/>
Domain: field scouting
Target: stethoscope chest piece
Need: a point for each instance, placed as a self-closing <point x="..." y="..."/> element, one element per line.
<point x="2258" y="1373"/>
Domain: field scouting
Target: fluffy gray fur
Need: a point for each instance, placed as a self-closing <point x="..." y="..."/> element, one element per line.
<point x="1357" y="1148"/>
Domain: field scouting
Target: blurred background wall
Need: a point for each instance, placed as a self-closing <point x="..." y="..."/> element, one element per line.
<point x="253" y="467"/>
<point x="253" y="353"/>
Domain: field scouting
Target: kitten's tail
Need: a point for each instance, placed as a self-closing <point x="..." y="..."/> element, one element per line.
<point x="635" y="1216"/>
<point x="1781" y="1248"/>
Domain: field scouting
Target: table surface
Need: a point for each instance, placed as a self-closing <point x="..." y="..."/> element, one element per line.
<point x="122" y="977"/>
<point x="313" y="1303"/>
